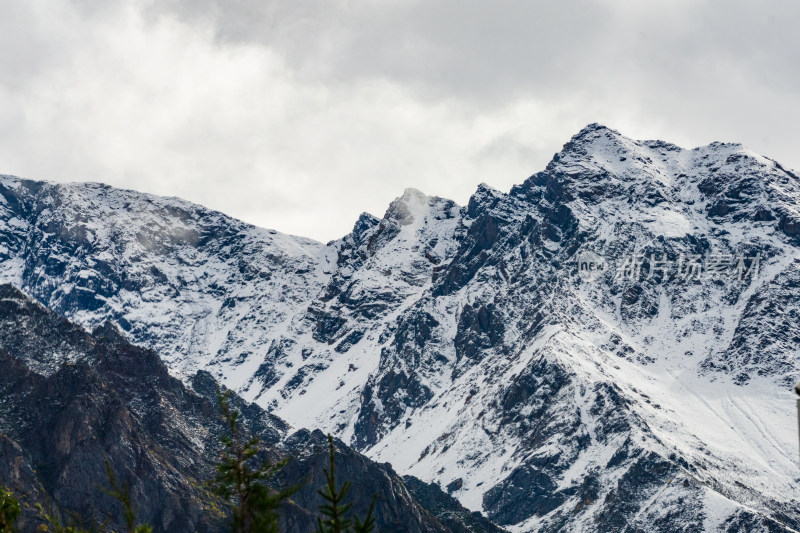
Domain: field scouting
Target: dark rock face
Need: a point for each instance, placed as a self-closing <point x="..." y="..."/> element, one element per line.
<point x="399" y="391"/>
<point x="480" y="328"/>
<point x="114" y="402"/>
<point x="751" y="354"/>
<point x="447" y="509"/>
<point x="71" y="400"/>
<point x="396" y="510"/>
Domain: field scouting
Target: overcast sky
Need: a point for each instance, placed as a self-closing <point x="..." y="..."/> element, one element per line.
<point x="298" y="115"/>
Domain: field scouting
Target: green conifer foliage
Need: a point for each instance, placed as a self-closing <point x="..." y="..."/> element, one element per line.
<point x="333" y="510"/>
<point x="254" y="504"/>
<point x="123" y="495"/>
<point x="9" y="511"/>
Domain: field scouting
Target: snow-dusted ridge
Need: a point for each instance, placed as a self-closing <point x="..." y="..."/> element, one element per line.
<point x="459" y="344"/>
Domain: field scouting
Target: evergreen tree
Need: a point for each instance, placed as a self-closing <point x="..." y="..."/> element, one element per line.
<point x="334" y="509"/>
<point x="368" y="525"/>
<point x="55" y="525"/>
<point x="123" y="495"/>
<point x="9" y="511"/>
<point x="254" y="504"/>
<point x="120" y="493"/>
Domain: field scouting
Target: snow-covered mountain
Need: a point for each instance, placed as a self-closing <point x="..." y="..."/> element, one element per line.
<point x="472" y="346"/>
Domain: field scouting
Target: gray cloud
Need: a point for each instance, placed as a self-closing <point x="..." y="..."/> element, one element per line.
<point x="299" y="115"/>
<point x="507" y="48"/>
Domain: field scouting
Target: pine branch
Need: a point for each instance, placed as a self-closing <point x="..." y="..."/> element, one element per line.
<point x="123" y="495"/>
<point x="9" y="511"/>
<point x="333" y="511"/>
<point x="368" y="525"/>
<point x="253" y="502"/>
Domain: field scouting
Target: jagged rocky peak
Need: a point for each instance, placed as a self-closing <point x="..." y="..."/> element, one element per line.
<point x="603" y="148"/>
<point x="485" y="197"/>
<point x="601" y="166"/>
<point x="416" y="208"/>
<point x="364" y="223"/>
<point x="410" y="218"/>
<point x="384" y="262"/>
<point x="403" y="209"/>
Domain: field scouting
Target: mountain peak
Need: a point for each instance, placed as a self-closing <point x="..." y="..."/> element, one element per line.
<point x="596" y="141"/>
<point x="412" y="205"/>
<point x="410" y="193"/>
<point x="593" y="130"/>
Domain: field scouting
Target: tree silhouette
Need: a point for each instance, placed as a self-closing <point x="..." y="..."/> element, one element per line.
<point x="253" y="502"/>
<point x="334" y="509"/>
